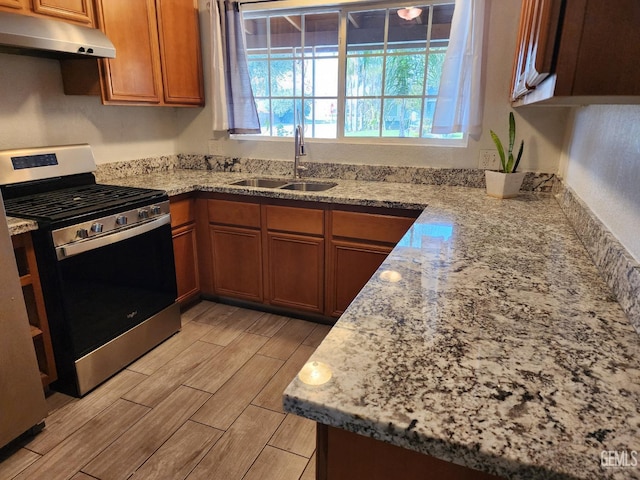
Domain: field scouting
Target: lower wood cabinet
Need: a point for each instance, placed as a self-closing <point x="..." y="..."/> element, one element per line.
<point x="34" y="301"/>
<point x="183" y="230"/>
<point x="352" y="266"/>
<point x="360" y="241"/>
<point x="343" y="455"/>
<point x="299" y="256"/>
<point x="237" y="262"/>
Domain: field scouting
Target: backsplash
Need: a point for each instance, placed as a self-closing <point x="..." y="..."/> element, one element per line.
<point x="474" y="178"/>
<point x="618" y="268"/>
<point x="540" y="182"/>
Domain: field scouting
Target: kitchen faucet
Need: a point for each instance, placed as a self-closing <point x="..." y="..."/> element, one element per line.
<point x="299" y="151"/>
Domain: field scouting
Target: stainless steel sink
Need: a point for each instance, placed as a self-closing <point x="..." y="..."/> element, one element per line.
<point x="309" y="186"/>
<point x="261" y="182"/>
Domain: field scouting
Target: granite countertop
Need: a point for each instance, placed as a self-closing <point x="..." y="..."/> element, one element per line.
<point x="20" y="225"/>
<point x="499" y="347"/>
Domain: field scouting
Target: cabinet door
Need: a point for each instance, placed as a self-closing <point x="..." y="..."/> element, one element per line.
<point x="295" y="271"/>
<point x="352" y="265"/>
<point x="14" y="6"/>
<point x="237" y="262"/>
<point x="78" y="11"/>
<point x="134" y="75"/>
<point x="179" y="36"/>
<point x="186" y="260"/>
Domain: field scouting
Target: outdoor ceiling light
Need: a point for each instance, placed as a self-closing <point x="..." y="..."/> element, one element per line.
<point x="409" y="13"/>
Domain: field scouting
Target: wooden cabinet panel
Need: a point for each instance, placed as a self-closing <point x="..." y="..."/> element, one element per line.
<point x="186" y="260"/>
<point x="295" y="269"/>
<point x="183" y="211"/>
<point x="237" y="262"/>
<point x="352" y="265"/>
<point x="344" y="455"/>
<point x="575" y="52"/>
<point x="183" y="229"/>
<point x="158" y="59"/>
<point x="238" y="213"/>
<point x="180" y="55"/>
<point x="134" y="75"/>
<point x="34" y="301"/>
<point x="79" y="11"/>
<point x="14" y="6"/>
<point x="295" y="219"/>
<point x="369" y="226"/>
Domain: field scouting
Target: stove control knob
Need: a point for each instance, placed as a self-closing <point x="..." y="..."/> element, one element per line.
<point x="156" y="210"/>
<point x="97" y="227"/>
<point x="143" y="214"/>
<point x="82" y="233"/>
<point x="121" y="220"/>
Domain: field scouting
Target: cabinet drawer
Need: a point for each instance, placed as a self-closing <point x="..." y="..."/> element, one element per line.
<point x="294" y="219"/>
<point x="234" y="213"/>
<point x="182" y="212"/>
<point x="369" y="226"/>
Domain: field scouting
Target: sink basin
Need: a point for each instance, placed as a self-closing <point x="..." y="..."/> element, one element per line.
<point x="261" y="182"/>
<point x="309" y="186"/>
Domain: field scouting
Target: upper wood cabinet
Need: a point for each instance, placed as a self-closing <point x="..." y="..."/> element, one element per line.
<point x="158" y="59"/>
<point x="14" y="6"/>
<point x="573" y="52"/>
<point x="75" y="11"/>
<point x="78" y="11"/>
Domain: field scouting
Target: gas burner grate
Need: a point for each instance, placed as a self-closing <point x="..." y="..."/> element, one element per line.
<point x="70" y="202"/>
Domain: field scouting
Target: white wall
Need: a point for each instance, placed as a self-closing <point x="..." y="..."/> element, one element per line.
<point x="542" y="129"/>
<point x="34" y="112"/>
<point x="602" y="165"/>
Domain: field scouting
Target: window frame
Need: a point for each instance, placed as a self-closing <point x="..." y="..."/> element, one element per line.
<point x="291" y="7"/>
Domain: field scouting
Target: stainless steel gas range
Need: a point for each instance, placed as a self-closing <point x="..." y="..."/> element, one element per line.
<point x="105" y="258"/>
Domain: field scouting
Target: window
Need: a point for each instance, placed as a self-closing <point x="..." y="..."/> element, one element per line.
<point x="381" y="82"/>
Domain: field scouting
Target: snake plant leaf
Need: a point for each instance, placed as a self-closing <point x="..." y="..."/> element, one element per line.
<point x="515" y="167"/>
<point x="509" y="164"/>
<point x="512" y="132"/>
<point x="500" y="148"/>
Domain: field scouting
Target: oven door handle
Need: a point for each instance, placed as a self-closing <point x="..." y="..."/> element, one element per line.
<point x="66" y="251"/>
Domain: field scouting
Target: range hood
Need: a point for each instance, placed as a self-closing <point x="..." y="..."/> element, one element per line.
<point x="41" y="36"/>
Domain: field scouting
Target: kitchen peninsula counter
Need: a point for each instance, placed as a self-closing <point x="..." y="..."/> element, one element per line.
<point x="487" y="337"/>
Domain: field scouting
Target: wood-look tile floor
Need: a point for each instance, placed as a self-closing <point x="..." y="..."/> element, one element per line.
<point x="205" y="404"/>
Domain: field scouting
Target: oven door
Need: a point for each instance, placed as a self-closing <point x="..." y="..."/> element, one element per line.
<point x="110" y="284"/>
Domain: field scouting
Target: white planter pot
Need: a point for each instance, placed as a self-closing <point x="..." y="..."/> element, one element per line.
<point x="503" y="185"/>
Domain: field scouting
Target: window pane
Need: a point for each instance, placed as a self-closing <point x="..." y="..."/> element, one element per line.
<point x="286" y="31"/>
<point x="324" y="118"/>
<point x="256" y="36"/>
<point x="408" y="35"/>
<point x="434" y="71"/>
<point x="259" y="73"/>
<point x="365" y="31"/>
<point x="402" y="117"/>
<point x="364" y="76"/>
<point x="264" y="115"/>
<point x="282" y="78"/>
<point x="405" y="75"/>
<point x="325" y="75"/>
<point x="321" y="30"/>
<point x="362" y="118"/>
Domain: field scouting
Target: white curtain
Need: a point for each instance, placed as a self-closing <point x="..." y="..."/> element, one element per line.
<point x="234" y="108"/>
<point x="459" y="103"/>
<point x="218" y="79"/>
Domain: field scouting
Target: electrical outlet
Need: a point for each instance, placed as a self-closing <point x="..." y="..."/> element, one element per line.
<point x="489" y="160"/>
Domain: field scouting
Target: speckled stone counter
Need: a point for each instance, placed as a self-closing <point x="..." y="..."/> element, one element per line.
<point x="19" y="225"/>
<point x="499" y="347"/>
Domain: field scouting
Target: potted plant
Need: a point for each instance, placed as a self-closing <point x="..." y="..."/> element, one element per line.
<point x="507" y="182"/>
